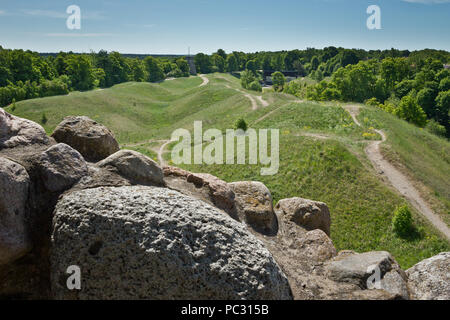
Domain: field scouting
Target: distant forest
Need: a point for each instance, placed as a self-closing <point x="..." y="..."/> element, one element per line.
<point x="413" y="85"/>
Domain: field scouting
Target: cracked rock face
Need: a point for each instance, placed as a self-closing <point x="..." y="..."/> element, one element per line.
<point x="254" y="204"/>
<point x="14" y="185"/>
<point x="358" y="268"/>
<point x="430" y="278"/>
<point x="202" y="186"/>
<point x="154" y="243"/>
<point x="306" y="213"/>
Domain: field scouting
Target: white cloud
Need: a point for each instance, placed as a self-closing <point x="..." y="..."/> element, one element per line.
<point x="2" y="12"/>
<point x="62" y="14"/>
<point x="46" y="13"/>
<point x="79" y="35"/>
<point x="428" y="1"/>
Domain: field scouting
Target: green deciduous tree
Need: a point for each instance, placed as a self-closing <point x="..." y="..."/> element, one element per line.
<point x="232" y="63"/>
<point x="278" y="81"/>
<point x="155" y="72"/>
<point x="80" y="72"/>
<point x="247" y="77"/>
<point x="203" y="63"/>
<point x="409" y="110"/>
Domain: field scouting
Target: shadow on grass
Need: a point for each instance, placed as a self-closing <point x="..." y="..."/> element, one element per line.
<point x="412" y="234"/>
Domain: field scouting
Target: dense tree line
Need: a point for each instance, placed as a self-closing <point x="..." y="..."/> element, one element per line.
<point x="27" y="75"/>
<point x="412" y="85"/>
<point x="417" y="90"/>
<point x="318" y="63"/>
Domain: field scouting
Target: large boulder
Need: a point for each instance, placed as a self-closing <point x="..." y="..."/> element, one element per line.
<point x="14" y="186"/>
<point x="61" y="167"/>
<point x="93" y="140"/>
<point x="202" y="186"/>
<point x="254" y="205"/>
<point x="306" y="213"/>
<point x="317" y="246"/>
<point x="363" y="269"/>
<point x="140" y="242"/>
<point x="15" y="131"/>
<point x="430" y="278"/>
<point x="135" y="167"/>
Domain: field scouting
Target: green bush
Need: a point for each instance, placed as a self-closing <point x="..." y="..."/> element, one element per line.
<point x="255" y="86"/>
<point x="278" y="80"/>
<point x="402" y="221"/>
<point x="247" y="78"/>
<point x="372" y="102"/>
<point x="435" y="128"/>
<point x="13" y="106"/>
<point x="241" y="124"/>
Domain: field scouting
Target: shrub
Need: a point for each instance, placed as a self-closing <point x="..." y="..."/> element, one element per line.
<point x="13" y="107"/>
<point x="330" y="94"/>
<point x="247" y="78"/>
<point x="402" y="221"/>
<point x="255" y="86"/>
<point x="372" y="102"/>
<point x="435" y="128"/>
<point x="241" y="124"/>
<point x="44" y="118"/>
<point x="409" y="110"/>
<point x="278" y="80"/>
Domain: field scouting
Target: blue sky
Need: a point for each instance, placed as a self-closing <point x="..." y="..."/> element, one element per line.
<point x="170" y="26"/>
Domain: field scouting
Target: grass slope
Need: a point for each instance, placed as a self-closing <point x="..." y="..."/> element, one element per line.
<point x="334" y="170"/>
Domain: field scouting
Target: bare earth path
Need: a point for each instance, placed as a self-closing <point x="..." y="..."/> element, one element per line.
<point x="205" y="80"/>
<point x="161" y="161"/>
<point x="398" y="180"/>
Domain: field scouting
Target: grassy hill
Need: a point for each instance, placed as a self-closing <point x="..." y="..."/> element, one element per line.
<point x="321" y="151"/>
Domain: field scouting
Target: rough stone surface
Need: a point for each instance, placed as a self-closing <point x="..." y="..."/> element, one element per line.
<point x="306" y="213"/>
<point x="154" y="243"/>
<point x="395" y="282"/>
<point x="14" y="185"/>
<point x="61" y="167"/>
<point x="357" y="268"/>
<point x="204" y="187"/>
<point x="254" y="205"/>
<point x="430" y="278"/>
<point x="318" y="246"/>
<point x="15" y="131"/>
<point x="93" y="140"/>
<point x="135" y="167"/>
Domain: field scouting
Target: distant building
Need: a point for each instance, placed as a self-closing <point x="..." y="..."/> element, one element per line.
<point x="447" y="66"/>
<point x="192" y="69"/>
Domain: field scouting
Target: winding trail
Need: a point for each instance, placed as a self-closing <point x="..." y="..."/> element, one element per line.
<point x="397" y="179"/>
<point x="161" y="161"/>
<point x="205" y="80"/>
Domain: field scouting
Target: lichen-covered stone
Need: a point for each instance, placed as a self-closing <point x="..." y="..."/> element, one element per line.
<point x="155" y="243"/>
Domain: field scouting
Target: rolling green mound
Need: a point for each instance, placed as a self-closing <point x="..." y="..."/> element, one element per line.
<point x="321" y="151"/>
